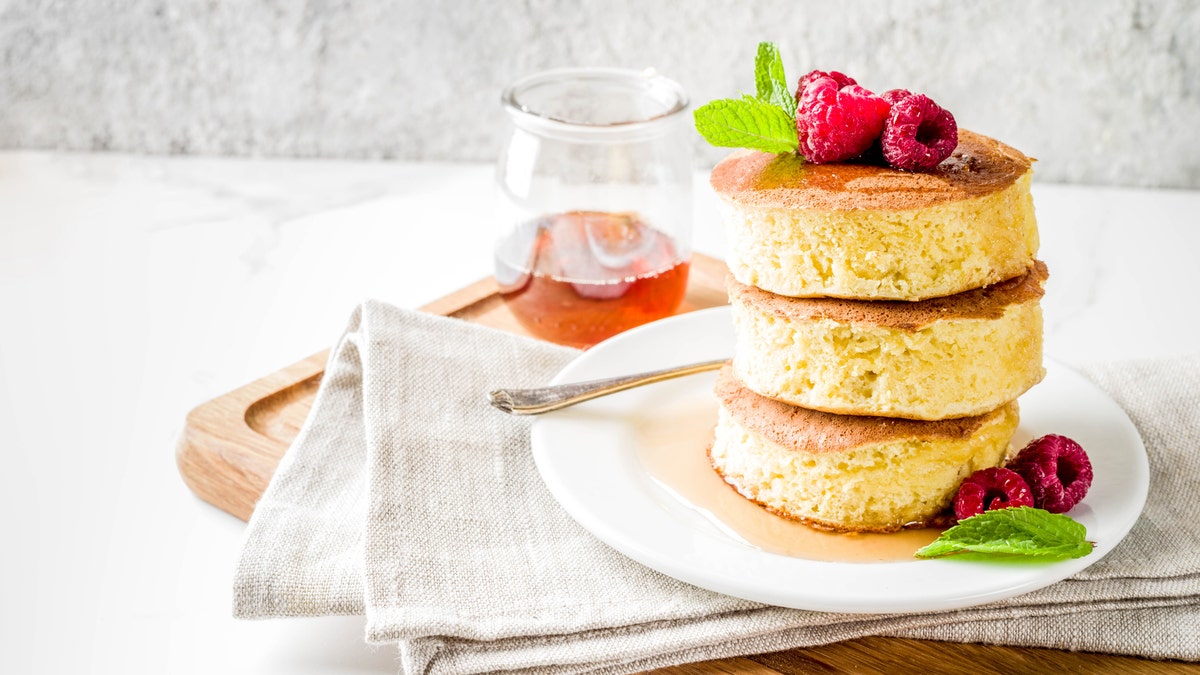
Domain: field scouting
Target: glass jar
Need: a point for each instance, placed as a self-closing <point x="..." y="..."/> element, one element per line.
<point x="595" y="202"/>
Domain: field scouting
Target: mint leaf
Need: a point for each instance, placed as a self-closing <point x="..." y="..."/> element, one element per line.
<point x="747" y="123"/>
<point x="769" y="78"/>
<point x="764" y="122"/>
<point x="1016" y="531"/>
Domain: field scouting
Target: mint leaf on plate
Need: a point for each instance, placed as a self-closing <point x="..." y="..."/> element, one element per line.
<point x="769" y="79"/>
<point x="1015" y="531"/>
<point x="747" y="123"/>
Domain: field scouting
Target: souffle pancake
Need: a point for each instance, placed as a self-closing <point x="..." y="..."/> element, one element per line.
<point x="845" y="472"/>
<point x="865" y="231"/>
<point x="956" y="356"/>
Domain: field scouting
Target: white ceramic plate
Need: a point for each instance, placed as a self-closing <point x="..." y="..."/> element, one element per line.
<point x="588" y="458"/>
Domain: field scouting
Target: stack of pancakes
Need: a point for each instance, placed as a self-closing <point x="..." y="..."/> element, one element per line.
<point x="886" y="321"/>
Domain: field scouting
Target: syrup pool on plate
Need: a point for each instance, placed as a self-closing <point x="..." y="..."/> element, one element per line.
<point x="580" y="277"/>
<point x="673" y="448"/>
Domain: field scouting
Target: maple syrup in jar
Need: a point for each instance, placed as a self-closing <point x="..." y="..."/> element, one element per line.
<point x="584" y="276"/>
<point x="594" y="207"/>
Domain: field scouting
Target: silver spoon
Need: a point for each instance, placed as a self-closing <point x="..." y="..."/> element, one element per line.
<point x="545" y="399"/>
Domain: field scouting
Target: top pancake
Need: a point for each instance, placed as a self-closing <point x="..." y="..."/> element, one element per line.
<point x="979" y="166"/>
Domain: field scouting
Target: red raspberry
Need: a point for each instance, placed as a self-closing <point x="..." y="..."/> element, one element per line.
<point x="842" y="80"/>
<point x="837" y="121"/>
<point x="991" y="489"/>
<point x="894" y="96"/>
<point x="918" y="133"/>
<point x="1058" y="471"/>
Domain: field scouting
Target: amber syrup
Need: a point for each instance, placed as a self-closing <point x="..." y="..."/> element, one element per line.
<point x="580" y="277"/>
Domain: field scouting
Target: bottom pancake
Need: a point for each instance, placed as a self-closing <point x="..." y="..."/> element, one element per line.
<point x="848" y="473"/>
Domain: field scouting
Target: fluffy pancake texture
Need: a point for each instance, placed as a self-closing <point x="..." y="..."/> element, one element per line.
<point x="957" y="356"/>
<point x="846" y="473"/>
<point x="871" y="232"/>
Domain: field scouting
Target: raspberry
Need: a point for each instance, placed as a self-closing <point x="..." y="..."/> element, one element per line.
<point x="1058" y="471"/>
<point x="991" y="489"/>
<point x="842" y="80"/>
<point x="894" y="96"/>
<point x="918" y="133"/>
<point x="836" y="121"/>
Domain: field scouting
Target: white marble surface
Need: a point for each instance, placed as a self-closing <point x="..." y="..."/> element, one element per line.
<point x="133" y="289"/>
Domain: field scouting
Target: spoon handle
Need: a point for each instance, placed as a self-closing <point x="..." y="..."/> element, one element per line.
<point x="545" y="399"/>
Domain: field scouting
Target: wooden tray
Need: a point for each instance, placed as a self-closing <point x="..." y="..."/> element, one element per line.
<point x="231" y="445"/>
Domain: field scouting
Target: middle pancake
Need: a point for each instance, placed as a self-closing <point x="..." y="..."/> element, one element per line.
<point x="956" y="356"/>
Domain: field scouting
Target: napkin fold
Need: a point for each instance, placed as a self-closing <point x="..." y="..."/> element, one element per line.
<point x="407" y="498"/>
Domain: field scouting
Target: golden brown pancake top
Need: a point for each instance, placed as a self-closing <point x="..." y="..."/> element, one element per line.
<point x="988" y="302"/>
<point x="819" y="432"/>
<point x="979" y="166"/>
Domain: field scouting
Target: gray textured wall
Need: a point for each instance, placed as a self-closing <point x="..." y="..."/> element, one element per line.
<point x="1101" y="91"/>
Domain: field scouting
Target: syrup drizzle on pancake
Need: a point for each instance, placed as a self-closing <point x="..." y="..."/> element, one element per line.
<point x="979" y="166"/>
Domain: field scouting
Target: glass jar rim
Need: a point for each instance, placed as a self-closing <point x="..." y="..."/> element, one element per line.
<point x="647" y="80"/>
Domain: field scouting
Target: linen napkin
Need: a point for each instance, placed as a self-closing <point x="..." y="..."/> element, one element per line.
<point x="408" y="499"/>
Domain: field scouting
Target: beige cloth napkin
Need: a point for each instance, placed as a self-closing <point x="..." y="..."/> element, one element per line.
<point x="408" y="499"/>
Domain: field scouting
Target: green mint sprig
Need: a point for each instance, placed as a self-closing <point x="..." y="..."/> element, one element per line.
<point x="1023" y="530"/>
<point x="766" y="121"/>
<point x="747" y="122"/>
<point x="770" y="82"/>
